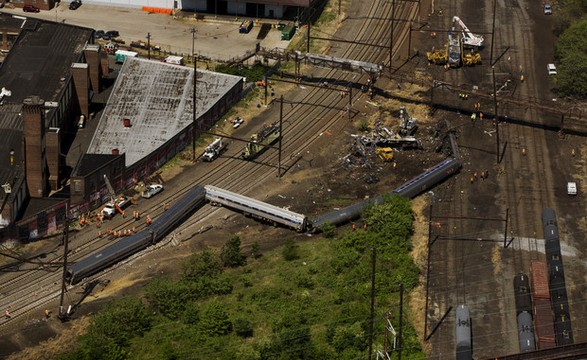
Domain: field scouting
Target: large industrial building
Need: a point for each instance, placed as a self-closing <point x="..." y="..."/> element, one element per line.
<point x="148" y="119"/>
<point x="47" y="78"/>
<point x="47" y="83"/>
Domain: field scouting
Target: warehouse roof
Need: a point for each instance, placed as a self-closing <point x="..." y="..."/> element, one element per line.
<point x="40" y="61"/>
<point x="156" y="100"/>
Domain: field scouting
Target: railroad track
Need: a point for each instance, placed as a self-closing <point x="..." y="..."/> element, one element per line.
<point x="36" y="289"/>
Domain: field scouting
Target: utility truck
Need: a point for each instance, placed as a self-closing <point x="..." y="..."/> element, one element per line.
<point x="214" y="150"/>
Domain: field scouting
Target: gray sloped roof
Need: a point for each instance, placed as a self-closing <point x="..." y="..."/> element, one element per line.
<point x="157" y="99"/>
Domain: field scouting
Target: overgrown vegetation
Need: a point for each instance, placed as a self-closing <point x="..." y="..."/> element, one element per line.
<point x="571" y="49"/>
<point x="255" y="73"/>
<point x="307" y="300"/>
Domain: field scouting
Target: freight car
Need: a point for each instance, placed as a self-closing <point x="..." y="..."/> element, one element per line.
<point x="256" y="208"/>
<point x="526" y="332"/>
<point x="128" y="246"/>
<point x="464" y="349"/>
<point x="410" y="189"/>
<point x="556" y="280"/>
<point x="544" y="324"/>
<point x="522" y="293"/>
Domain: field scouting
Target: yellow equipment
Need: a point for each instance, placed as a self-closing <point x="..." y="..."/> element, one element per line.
<point x="385" y="153"/>
<point x="438" y="57"/>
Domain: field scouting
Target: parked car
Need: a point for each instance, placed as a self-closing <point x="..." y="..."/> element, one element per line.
<point x="106" y="37"/>
<point x="551" y="69"/>
<point x="547" y="9"/>
<point x="113" y="33"/>
<point x="152" y="190"/>
<point x="237" y="122"/>
<point x="75" y="4"/>
<point x="30" y="8"/>
<point x="98" y="34"/>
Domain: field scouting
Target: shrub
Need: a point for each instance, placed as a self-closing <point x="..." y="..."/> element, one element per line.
<point x="290" y="251"/>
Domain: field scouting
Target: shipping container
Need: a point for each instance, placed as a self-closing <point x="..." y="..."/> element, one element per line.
<point x="544" y="324"/>
<point x="539" y="280"/>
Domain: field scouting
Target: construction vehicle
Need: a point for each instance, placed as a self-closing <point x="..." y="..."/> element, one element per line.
<point x="214" y="150"/>
<point x="470" y="40"/>
<point x="385" y="153"/>
<point x="454" y="49"/>
<point x="408" y="125"/>
<point x="438" y="57"/>
<point x="115" y="204"/>
<point x="443" y="56"/>
<point x="259" y="141"/>
<point x="471" y="58"/>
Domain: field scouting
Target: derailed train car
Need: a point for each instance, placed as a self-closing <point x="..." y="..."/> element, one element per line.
<point x="410" y="189"/>
<point x="256" y="208"/>
<point x="125" y="247"/>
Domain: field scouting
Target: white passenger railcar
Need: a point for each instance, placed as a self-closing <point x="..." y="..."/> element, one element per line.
<point x="256" y="208"/>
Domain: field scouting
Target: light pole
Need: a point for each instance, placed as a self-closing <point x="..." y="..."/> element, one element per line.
<point x="194" y="131"/>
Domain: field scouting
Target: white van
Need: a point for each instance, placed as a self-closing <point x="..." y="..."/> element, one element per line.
<point x="572" y="188"/>
<point x="551" y="69"/>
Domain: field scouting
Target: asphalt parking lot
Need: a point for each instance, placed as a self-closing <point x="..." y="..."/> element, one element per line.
<point x="215" y="38"/>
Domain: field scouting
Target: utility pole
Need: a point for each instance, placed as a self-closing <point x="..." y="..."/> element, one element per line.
<point x="373" y="262"/>
<point x="391" y="36"/>
<point x="280" y="136"/>
<point x="148" y="46"/>
<point x="62" y="314"/>
<point x="401" y="313"/>
<point x="194" y="124"/>
<point x="497" y="161"/>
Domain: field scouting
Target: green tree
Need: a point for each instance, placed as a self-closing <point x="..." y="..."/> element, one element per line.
<point x="571" y="50"/>
<point x="329" y="230"/>
<point x="231" y="254"/>
<point x="290" y="251"/>
<point x="203" y="265"/>
<point x="169" y="297"/>
<point x="120" y="321"/>
<point x="256" y="250"/>
<point x="243" y="327"/>
<point x="214" y="320"/>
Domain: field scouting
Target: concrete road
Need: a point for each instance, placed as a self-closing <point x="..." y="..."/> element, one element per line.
<point x="215" y="38"/>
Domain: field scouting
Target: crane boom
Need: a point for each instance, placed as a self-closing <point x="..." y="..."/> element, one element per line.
<point x="109" y="186"/>
<point x="469" y="39"/>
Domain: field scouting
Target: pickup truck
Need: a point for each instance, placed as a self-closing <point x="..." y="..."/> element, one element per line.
<point x="152" y="190"/>
<point x="109" y="209"/>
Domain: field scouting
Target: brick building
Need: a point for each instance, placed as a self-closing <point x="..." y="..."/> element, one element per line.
<point x="47" y="79"/>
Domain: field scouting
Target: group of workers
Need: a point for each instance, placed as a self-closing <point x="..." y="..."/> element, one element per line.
<point x="484" y="175"/>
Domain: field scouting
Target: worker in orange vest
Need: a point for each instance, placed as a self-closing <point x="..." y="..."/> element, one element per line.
<point x="148" y="220"/>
